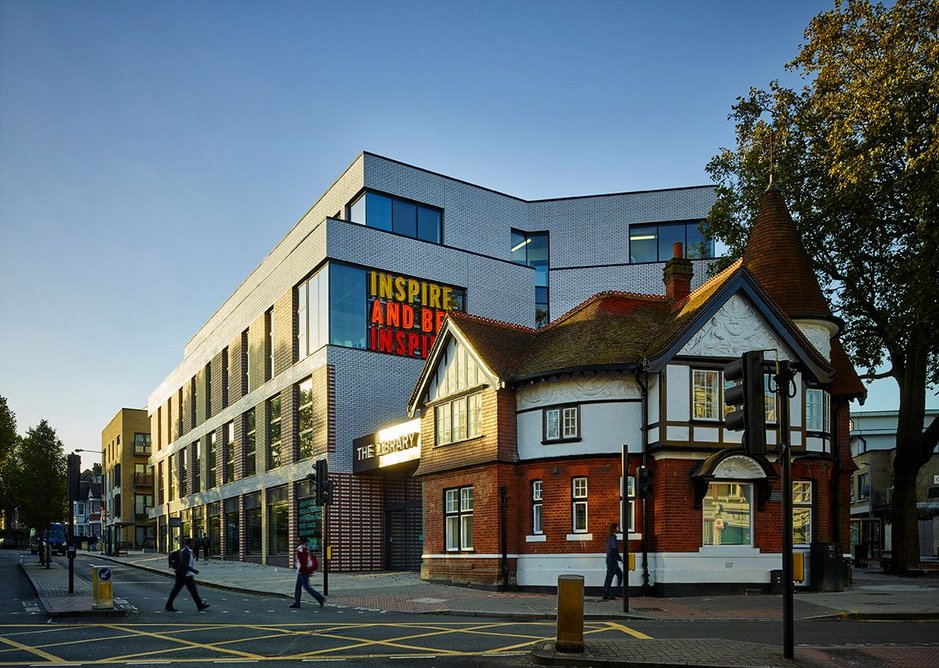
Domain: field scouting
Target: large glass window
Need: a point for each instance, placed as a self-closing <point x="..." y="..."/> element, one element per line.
<point x="142" y="476"/>
<point x="313" y="313"/>
<point x="801" y="512"/>
<point x="253" y="523"/>
<point x="459" y="419"/>
<point x="706" y="394"/>
<point x="347" y="310"/>
<point x="273" y="432"/>
<point x="269" y="344"/>
<point x="653" y="242"/>
<point x="397" y="215"/>
<point x="727" y="514"/>
<point x="277" y="520"/>
<point x="181" y="472"/>
<point x="232" y="528"/>
<point x="251" y="444"/>
<point x="579" y="505"/>
<point x="532" y="249"/>
<point x="816" y="410"/>
<point x="458" y="519"/>
<point x="305" y="417"/>
<point x="142" y="504"/>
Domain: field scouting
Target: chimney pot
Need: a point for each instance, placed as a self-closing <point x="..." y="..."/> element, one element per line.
<point x="677" y="249"/>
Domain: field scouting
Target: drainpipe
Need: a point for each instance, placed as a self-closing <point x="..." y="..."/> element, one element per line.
<point x="644" y="393"/>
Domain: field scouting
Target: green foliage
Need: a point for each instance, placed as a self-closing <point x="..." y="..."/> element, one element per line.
<point x="42" y="491"/>
<point x="9" y="469"/>
<point x="856" y="153"/>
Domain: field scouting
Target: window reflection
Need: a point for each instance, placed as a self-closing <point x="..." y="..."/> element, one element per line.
<point x="726" y="516"/>
<point x="396" y="215"/>
<point x="653" y="242"/>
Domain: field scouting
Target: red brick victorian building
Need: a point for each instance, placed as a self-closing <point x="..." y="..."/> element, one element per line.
<point x="523" y="431"/>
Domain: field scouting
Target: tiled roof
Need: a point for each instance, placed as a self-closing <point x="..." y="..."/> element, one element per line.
<point x="776" y="257"/>
<point x="501" y="344"/>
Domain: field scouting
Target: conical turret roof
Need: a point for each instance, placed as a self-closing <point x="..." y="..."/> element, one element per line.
<point x="776" y="257"/>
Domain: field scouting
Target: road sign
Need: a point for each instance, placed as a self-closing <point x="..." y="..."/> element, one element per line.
<point x="104" y="574"/>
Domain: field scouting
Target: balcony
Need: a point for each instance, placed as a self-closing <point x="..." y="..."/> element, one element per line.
<point x="143" y="480"/>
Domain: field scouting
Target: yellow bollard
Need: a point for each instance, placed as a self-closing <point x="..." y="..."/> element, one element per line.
<point x="798" y="566"/>
<point x="101" y="587"/>
<point x="570" y="632"/>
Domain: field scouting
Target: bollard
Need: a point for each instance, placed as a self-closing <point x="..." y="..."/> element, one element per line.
<point x="101" y="587"/>
<point x="570" y="631"/>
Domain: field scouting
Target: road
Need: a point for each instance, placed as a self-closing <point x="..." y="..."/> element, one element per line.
<point x="248" y="628"/>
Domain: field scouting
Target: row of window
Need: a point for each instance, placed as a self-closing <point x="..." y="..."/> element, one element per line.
<point x="727" y="513"/>
<point x="708" y="404"/>
<point x="219" y="472"/>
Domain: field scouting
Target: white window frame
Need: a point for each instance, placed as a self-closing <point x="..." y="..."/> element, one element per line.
<point x="459" y="419"/>
<point x="537" y="507"/>
<point x="458" y="519"/>
<point x="579" y="501"/>
<point x="561" y="423"/>
<point x="708" y="383"/>
<point x="817" y="410"/>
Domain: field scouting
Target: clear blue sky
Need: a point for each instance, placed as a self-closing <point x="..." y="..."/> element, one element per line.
<point x="152" y="153"/>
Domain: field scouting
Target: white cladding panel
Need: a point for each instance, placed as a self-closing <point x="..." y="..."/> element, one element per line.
<point x="677" y="393"/>
<point x="654" y="390"/>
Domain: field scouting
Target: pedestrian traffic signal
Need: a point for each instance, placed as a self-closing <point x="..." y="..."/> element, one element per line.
<point x="747" y="398"/>
<point x="322" y="473"/>
<point x="644" y="482"/>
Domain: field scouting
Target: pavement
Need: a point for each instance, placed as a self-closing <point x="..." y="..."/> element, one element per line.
<point x="872" y="596"/>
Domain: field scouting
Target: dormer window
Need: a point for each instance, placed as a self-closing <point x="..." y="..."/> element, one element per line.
<point x="459" y="420"/>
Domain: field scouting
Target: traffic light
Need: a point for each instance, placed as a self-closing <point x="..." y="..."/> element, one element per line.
<point x="74" y="477"/>
<point x="748" y="399"/>
<point x="327" y="497"/>
<point x="643" y="482"/>
<point x="322" y="473"/>
<point x="311" y="478"/>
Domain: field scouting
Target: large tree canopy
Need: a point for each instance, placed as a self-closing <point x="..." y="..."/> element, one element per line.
<point x="856" y="153"/>
<point x="42" y="498"/>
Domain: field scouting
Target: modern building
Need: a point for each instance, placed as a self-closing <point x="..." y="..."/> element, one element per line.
<point x="524" y="432"/>
<point x="874" y="446"/>
<point x="315" y="354"/>
<point x="127" y="482"/>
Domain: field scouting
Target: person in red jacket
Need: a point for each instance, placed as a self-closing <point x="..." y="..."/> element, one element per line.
<point x="306" y="566"/>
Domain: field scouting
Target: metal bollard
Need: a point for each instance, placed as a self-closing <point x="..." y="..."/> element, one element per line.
<point x="570" y="631"/>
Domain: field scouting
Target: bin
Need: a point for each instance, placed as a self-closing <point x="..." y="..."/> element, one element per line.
<point x="827" y="567"/>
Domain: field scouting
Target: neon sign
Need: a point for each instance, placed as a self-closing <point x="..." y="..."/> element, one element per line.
<point x="405" y="314"/>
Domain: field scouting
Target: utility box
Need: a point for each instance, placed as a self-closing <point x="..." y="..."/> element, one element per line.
<point x="101" y="587"/>
<point x="827" y="567"/>
<point x="776" y="582"/>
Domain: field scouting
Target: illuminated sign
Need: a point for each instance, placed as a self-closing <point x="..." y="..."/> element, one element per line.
<point x="394" y="445"/>
<point x="405" y="314"/>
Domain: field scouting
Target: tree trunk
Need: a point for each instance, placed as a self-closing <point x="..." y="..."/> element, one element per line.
<point x="911" y="454"/>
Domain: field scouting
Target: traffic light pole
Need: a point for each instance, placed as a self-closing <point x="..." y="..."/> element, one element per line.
<point x="624" y="526"/>
<point x="783" y="379"/>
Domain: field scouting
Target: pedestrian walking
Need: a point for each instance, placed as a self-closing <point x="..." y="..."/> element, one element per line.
<point x="185" y="578"/>
<point x="196" y="545"/>
<point x="205" y="545"/>
<point x="306" y="566"/>
<point x="613" y="560"/>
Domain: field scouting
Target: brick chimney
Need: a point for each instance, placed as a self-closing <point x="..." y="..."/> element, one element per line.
<point x="678" y="273"/>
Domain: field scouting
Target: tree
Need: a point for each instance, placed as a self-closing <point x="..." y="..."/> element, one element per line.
<point x="856" y="152"/>
<point x="42" y="488"/>
<point x="9" y="442"/>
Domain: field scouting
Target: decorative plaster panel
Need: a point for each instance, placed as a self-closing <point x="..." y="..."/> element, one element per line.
<point x="734" y="329"/>
<point x="738" y="467"/>
<point x="576" y="389"/>
<point x="819" y="336"/>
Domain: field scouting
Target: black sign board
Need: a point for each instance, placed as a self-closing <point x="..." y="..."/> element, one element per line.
<point x="310" y="522"/>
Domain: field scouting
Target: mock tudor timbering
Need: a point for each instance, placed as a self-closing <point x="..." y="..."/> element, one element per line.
<point x="545" y="429"/>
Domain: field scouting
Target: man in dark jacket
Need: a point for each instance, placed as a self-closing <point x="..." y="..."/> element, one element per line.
<point x="612" y="564"/>
<point x="184" y="578"/>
